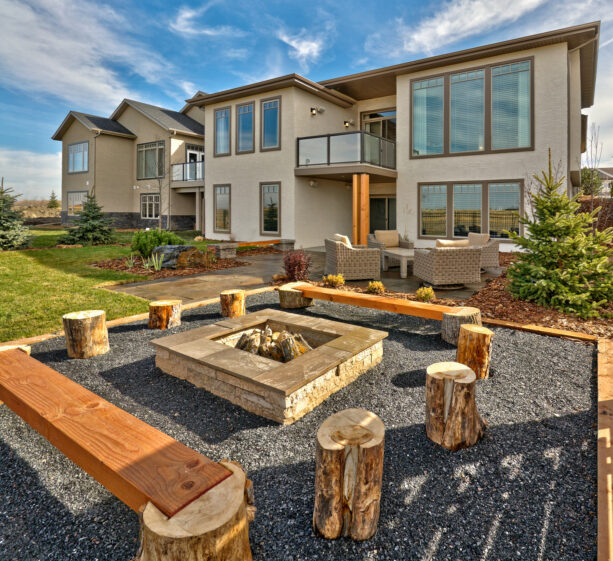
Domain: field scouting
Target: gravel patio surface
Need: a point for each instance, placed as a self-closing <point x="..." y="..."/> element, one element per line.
<point x="527" y="491"/>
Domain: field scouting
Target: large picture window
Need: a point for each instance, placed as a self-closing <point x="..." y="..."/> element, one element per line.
<point x="75" y="200"/>
<point x="222" y="131"/>
<point x="222" y="208"/>
<point x="454" y="209"/>
<point x="78" y="157"/>
<point x="271" y="124"/>
<point x="479" y="110"/>
<point x="150" y="160"/>
<point x="270" y="208"/>
<point x="150" y="205"/>
<point x="244" y="128"/>
<point x="428" y="117"/>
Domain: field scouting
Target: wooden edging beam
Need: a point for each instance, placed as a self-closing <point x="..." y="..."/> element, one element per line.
<point x="605" y="450"/>
<point x="540" y="330"/>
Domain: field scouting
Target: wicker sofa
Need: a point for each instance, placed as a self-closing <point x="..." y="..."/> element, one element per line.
<point x="385" y="239"/>
<point x="353" y="262"/>
<point x="442" y="266"/>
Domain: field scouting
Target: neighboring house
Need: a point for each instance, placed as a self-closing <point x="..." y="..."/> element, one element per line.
<point x="436" y="147"/>
<point x="606" y="174"/>
<point x="144" y="163"/>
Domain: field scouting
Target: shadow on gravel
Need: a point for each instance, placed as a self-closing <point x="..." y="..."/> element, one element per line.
<point x="56" y="355"/>
<point x="412" y="379"/>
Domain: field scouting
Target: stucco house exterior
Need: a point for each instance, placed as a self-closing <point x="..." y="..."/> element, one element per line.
<point x="436" y="147"/>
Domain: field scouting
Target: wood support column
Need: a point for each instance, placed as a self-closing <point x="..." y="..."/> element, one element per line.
<point x="356" y="209"/>
<point x="198" y="210"/>
<point x="361" y="207"/>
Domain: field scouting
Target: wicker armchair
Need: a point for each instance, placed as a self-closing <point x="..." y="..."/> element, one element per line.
<point x="353" y="263"/>
<point x="489" y="250"/>
<point x="448" y="265"/>
<point x="372" y="242"/>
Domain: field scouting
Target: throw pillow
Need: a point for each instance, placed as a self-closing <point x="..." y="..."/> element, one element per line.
<point x="388" y="237"/>
<point x="451" y="243"/>
<point x="343" y="239"/>
<point x="478" y="240"/>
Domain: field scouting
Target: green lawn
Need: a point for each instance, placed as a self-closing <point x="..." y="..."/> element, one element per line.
<point x="39" y="286"/>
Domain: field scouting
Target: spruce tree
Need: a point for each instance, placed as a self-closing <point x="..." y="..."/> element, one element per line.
<point x="90" y="226"/>
<point x="53" y="202"/>
<point x="565" y="263"/>
<point x="13" y="234"/>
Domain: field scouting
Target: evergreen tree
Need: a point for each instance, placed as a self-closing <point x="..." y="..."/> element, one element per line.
<point x="565" y="264"/>
<point x="13" y="234"/>
<point x="90" y="226"/>
<point x="53" y="202"/>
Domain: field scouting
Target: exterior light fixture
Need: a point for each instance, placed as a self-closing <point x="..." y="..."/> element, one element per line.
<point x="135" y="187"/>
<point x="313" y="183"/>
<point x="313" y="111"/>
<point x="317" y="109"/>
<point x="348" y="123"/>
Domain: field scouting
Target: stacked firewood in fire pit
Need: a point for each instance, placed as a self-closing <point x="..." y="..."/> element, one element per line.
<point x="282" y="346"/>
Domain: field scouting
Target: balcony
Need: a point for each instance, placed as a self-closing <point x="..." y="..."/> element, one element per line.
<point x="190" y="174"/>
<point x="340" y="155"/>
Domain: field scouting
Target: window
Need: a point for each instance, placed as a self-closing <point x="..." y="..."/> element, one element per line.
<point x="466" y="111"/>
<point x="466" y="209"/>
<point x="479" y="110"/>
<point x="150" y="160"/>
<point x="78" y="157"/>
<point x="504" y="208"/>
<point x="270" y="194"/>
<point x="455" y="209"/>
<point x="382" y="123"/>
<point x="150" y="206"/>
<point x="76" y="200"/>
<point x="511" y="106"/>
<point x="222" y="208"/>
<point x="428" y="115"/>
<point x="244" y="128"/>
<point x="222" y="131"/>
<point x="433" y="205"/>
<point x="271" y="124"/>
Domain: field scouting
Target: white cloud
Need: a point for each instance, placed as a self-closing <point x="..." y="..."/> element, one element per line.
<point x="31" y="174"/>
<point x="189" y="88"/>
<point x="68" y="50"/>
<point x="185" y="23"/>
<point x="455" y="20"/>
<point x="306" y="45"/>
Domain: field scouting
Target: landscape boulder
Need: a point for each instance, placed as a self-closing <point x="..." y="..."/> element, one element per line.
<point x="181" y="256"/>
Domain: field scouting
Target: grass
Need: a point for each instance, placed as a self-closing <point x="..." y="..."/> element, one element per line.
<point x="39" y="286"/>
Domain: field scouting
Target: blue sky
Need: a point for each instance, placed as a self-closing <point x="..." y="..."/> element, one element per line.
<point x="57" y="55"/>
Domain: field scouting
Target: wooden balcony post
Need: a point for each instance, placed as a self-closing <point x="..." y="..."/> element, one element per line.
<point x="364" y="207"/>
<point x="356" y="209"/>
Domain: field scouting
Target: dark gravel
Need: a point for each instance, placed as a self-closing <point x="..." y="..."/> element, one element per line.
<point x="527" y="491"/>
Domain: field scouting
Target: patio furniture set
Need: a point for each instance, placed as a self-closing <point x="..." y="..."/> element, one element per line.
<point x="449" y="263"/>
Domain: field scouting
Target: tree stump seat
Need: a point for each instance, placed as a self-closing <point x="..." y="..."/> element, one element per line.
<point x="453" y="319"/>
<point x="232" y="303"/>
<point x="164" y="314"/>
<point x="86" y="333"/>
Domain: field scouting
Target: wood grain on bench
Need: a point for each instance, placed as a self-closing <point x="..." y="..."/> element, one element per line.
<point x="134" y="461"/>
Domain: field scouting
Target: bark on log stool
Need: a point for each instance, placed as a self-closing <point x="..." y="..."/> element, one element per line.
<point x="348" y="475"/>
<point x="450" y="328"/>
<point x="232" y="303"/>
<point x="452" y="419"/>
<point x="214" y="527"/>
<point x="164" y="314"/>
<point x="86" y="333"/>
<point x="475" y="349"/>
<point x="290" y="298"/>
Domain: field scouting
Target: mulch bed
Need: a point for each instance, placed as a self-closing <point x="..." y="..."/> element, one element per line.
<point x="138" y="269"/>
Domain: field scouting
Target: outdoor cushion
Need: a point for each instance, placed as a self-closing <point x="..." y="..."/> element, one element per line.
<point x="388" y="237"/>
<point x="452" y="243"/>
<point x="343" y="239"/>
<point x="478" y="239"/>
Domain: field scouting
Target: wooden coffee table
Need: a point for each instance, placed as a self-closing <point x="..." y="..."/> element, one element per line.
<point x="402" y="254"/>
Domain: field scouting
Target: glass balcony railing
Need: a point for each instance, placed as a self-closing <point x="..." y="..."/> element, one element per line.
<point x="191" y="171"/>
<point x="346" y="148"/>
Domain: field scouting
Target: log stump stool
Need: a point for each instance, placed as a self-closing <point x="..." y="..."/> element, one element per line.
<point x="86" y="333"/>
<point x="348" y="475"/>
<point x="475" y="349"/>
<point x="452" y="419"/>
<point x="214" y="527"/>
<point x="290" y="298"/>
<point x="164" y="314"/>
<point x="450" y="328"/>
<point x="232" y="303"/>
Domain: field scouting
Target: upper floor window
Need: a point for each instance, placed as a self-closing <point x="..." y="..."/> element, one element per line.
<point x="428" y="117"/>
<point x="479" y="110"/>
<point x="511" y="106"/>
<point x="244" y="128"/>
<point x="150" y="160"/>
<point x="78" y="157"/>
<point x="222" y="131"/>
<point x="271" y="124"/>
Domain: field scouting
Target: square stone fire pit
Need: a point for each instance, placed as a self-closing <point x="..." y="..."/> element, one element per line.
<point x="283" y="392"/>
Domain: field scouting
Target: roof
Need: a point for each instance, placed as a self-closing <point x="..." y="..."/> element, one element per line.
<point x="606" y="172"/>
<point x="93" y="123"/>
<point x="287" y="81"/>
<point x="382" y="81"/>
<point x="169" y="120"/>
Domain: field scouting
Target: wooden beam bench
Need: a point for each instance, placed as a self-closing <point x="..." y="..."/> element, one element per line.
<point x="396" y="305"/>
<point x="134" y="461"/>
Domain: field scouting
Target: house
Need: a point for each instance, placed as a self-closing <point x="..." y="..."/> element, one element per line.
<point x="606" y="174"/>
<point x="137" y="162"/>
<point x="436" y="147"/>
